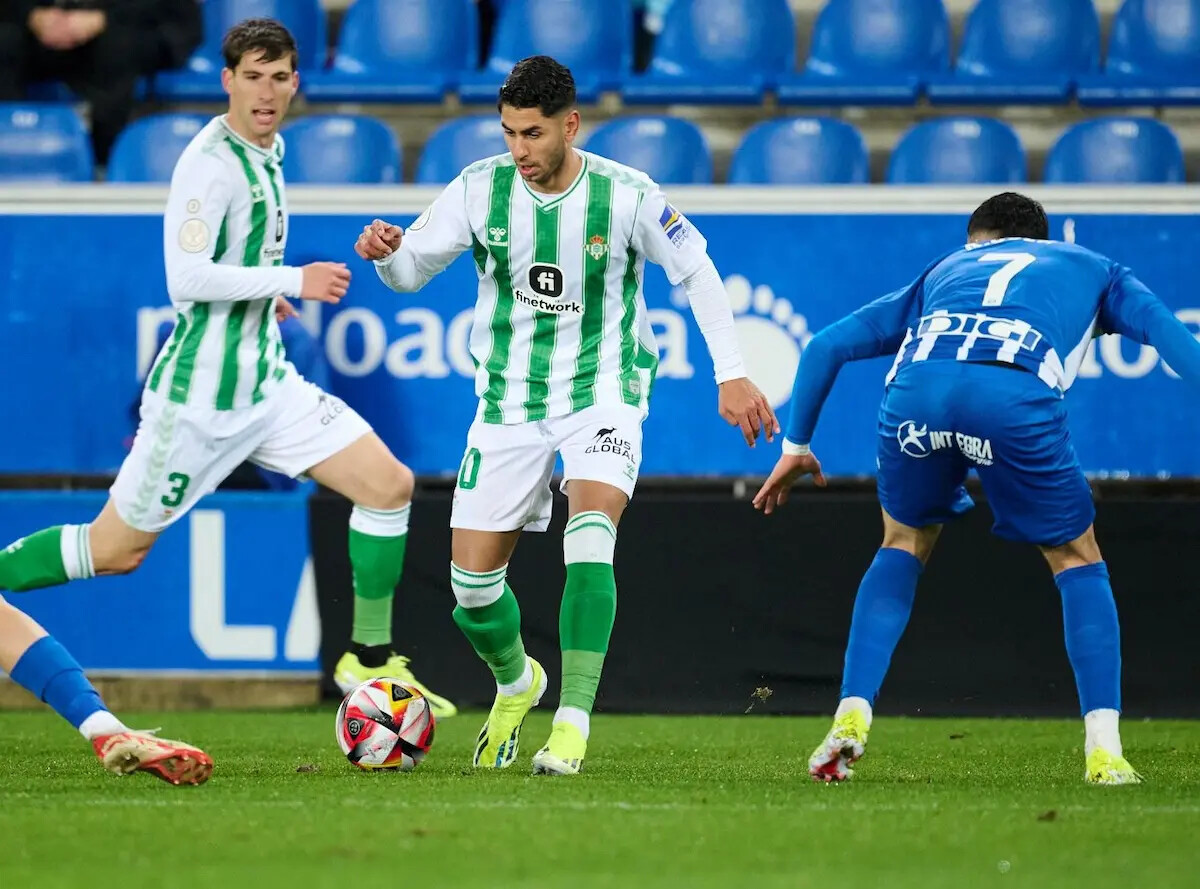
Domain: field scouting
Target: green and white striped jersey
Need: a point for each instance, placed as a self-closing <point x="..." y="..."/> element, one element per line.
<point x="560" y="322"/>
<point x="224" y="233"/>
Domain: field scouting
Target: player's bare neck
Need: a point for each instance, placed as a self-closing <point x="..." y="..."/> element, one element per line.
<point x="563" y="176"/>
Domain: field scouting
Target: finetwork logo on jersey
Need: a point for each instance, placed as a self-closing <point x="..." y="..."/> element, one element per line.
<point x="919" y="442"/>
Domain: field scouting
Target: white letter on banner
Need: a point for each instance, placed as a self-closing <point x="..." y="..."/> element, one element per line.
<point x="671" y="334"/>
<point x="374" y="342"/>
<point x="303" y="640"/>
<point x="418" y="354"/>
<point x="215" y="638"/>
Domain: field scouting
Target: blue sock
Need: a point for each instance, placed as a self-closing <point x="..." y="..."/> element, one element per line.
<point x="881" y="610"/>
<point x="52" y="675"/>
<point x="1093" y="635"/>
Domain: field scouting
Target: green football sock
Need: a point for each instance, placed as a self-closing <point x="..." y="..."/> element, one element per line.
<point x="494" y="628"/>
<point x="376" y="562"/>
<point x="36" y="561"/>
<point x="589" y="606"/>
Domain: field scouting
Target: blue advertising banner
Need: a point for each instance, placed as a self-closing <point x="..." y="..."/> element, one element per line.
<point x="79" y="329"/>
<point x="230" y="587"/>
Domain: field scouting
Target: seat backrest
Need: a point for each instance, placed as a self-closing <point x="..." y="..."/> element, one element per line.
<point x="340" y="148"/>
<point x="588" y="36"/>
<point x="958" y="150"/>
<point x="853" y="36"/>
<point x="669" y="150"/>
<point x="1116" y="150"/>
<point x="456" y="144"/>
<point x="723" y="36"/>
<point x="800" y="151"/>
<point x="1156" y="37"/>
<point x="148" y="149"/>
<point x="1030" y="37"/>
<point x="305" y="19"/>
<point x="408" y="35"/>
<point x="42" y="142"/>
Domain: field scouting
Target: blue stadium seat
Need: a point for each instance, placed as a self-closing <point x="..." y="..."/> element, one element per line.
<point x="1116" y="150"/>
<point x="669" y="150"/>
<point x="594" y="38"/>
<point x="42" y="142"/>
<point x="718" y="51"/>
<point x="340" y="149"/>
<point x="457" y="143"/>
<point x="1153" y="56"/>
<point x="1022" y="51"/>
<point x="399" y="51"/>
<point x="958" y="150"/>
<point x="800" y="151"/>
<point x="871" y="52"/>
<point x="200" y="78"/>
<point x="147" y="149"/>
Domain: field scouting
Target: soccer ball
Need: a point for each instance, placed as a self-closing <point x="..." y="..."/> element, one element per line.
<point x="384" y="724"/>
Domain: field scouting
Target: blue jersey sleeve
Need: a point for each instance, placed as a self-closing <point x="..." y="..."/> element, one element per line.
<point x="876" y="329"/>
<point x="1132" y="310"/>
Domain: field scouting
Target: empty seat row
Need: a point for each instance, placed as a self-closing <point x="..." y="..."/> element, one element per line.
<point x="733" y="51"/>
<point x="48" y="142"/>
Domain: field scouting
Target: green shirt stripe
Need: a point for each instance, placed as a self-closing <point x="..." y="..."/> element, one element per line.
<point x="545" y="324"/>
<point x="161" y="365"/>
<point x="631" y="388"/>
<point x="181" y="380"/>
<point x="251" y="257"/>
<point x="596" y="251"/>
<point x="499" y="229"/>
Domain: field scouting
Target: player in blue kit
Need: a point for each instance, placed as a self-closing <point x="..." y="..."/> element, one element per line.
<point x="987" y="341"/>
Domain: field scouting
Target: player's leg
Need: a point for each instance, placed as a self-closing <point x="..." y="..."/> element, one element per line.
<point x="315" y="434"/>
<point x="170" y="466"/>
<point x="38" y="663"/>
<point x="502" y="489"/>
<point x="920" y="486"/>
<point x="1093" y="637"/>
<point x="601" y="449"/>
<point x="1038" y="494"/>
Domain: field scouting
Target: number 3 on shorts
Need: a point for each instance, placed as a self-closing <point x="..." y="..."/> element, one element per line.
<point x="179" y="485"/>
<point x="468" y="474"/>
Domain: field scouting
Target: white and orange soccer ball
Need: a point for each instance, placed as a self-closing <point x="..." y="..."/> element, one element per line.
<point x="384" y="724"/>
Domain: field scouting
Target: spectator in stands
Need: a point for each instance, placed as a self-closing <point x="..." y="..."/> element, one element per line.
<point x="648" y="18"/>
<point x="99" y="48"/>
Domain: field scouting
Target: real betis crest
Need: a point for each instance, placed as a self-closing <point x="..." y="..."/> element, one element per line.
<point x="597" y="247"/>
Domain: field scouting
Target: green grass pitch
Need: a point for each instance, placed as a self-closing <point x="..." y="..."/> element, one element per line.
<point x="665" y="801"/>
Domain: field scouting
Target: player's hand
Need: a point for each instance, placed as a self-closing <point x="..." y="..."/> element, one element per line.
<point x="284" y="309"/>
<point x="774" y="492"/>
<point x="325" y="282"/>
<point x="741" y="403"/>
<point x="379" y="240"/>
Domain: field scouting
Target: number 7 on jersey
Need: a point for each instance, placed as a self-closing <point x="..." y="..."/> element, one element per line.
<point x="1002" y="277"/>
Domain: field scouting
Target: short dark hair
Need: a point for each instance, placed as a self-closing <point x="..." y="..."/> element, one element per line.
<point x="1010" y="215"/>
<point x="538" y="82"/>
<point x="265" y="36"/>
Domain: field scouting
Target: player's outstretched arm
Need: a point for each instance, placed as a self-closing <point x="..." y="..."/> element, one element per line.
<point x="666" y="237"/>
<point x="406" y="261"/>
<point x="1132" y="310"/>
<point x="197" y="203"/>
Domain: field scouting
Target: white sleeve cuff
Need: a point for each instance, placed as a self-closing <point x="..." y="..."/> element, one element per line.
<point x="791" y="449"/>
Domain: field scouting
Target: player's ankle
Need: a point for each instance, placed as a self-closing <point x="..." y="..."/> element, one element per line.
<point x="575" y="716"/>
<point x="1102" y="729"/>
<point x="520" y="685"/>
<point x="849" y="703"/>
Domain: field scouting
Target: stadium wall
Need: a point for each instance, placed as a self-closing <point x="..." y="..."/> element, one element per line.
<point x="716" y="602"/>
<point x="81" y="329"/>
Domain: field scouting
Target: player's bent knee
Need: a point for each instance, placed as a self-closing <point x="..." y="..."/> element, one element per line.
<point x="589" y="537"/>
<point x="917" y="542"/>
<point x="395" y="490"/>
<point x="1083" y="550"/>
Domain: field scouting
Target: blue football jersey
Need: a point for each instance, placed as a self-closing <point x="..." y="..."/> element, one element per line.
<point x="1035" y="304"/>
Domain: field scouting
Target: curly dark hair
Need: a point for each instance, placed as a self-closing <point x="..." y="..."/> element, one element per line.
<point x="264" y="36"/>
<point x="538" y="82"/>
<point x="1010" y="215"/>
